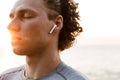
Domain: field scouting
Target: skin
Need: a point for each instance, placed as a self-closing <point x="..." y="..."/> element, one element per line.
<point x="29" y="29"/>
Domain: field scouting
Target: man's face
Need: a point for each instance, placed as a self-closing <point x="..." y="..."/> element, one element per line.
<point x="29" y="27"/>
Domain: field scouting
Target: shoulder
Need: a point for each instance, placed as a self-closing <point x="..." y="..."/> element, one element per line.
<point x="69" y="73"/>
<point x="11" y="72"/>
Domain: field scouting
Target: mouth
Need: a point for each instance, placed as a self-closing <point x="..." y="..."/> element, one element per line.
<point x="19" y="38"/>
<point x="15" y="38"/>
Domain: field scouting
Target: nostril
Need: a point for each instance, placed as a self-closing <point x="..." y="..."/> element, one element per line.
<point x="13" y="27"/>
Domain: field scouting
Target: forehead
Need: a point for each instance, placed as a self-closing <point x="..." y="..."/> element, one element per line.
<point x="35" y="5"/>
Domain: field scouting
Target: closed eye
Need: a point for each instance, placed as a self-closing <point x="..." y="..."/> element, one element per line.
<point x="28" y="15"/>
<point x="23" y="14"/>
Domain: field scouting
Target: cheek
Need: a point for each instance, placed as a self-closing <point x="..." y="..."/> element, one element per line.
<point x="36" y="28"/>
<point x="35" y="31"/>
<point x="32" y="28"/>
<point x="37" y="25"/>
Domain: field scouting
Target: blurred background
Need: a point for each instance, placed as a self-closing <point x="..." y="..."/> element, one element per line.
<point x="96" y="52"/>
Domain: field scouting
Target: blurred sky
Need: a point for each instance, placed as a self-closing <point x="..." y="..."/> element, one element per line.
<point x="100" y="20"/>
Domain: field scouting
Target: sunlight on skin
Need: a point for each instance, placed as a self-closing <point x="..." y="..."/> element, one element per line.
<point x="4" y="21"/>
<point x="99" y="19"/>
<point x="7" y="59"/>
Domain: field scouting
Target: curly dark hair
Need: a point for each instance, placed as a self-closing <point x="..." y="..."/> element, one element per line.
<point x="71" y="27"/>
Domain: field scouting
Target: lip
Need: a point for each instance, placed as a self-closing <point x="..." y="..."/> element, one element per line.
<point x="16" y="38"/>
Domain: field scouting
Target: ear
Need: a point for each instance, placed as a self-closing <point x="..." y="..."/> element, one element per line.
<point x="59" y="22"/>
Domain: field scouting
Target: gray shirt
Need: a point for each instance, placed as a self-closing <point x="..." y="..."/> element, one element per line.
<point x="62" y="72"/>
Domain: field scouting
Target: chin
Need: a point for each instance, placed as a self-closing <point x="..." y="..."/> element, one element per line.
<point x="18" y="51"/>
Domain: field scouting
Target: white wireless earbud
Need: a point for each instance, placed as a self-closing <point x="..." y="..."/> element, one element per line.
<point x="52" y="29"/>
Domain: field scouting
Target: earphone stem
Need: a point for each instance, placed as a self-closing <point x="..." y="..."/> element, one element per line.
<point x="53" y="28"/>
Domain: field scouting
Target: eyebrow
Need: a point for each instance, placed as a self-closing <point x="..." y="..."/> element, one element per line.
<point x="26" y="10"/>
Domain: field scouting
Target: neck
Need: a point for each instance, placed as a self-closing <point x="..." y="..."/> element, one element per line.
<point x="41" y="65"/>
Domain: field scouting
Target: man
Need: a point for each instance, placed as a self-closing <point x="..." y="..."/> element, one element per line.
<point x="40" y="30"/>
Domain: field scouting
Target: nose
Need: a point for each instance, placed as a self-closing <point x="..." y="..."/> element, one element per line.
<point x="14" y="25"/>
